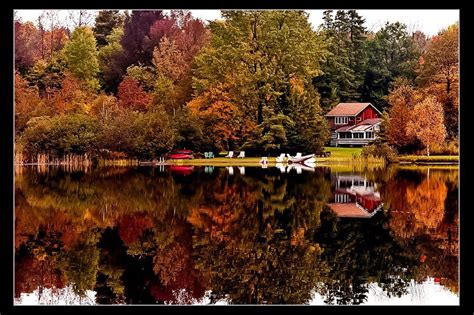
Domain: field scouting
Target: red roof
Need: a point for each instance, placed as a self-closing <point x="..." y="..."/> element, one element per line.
<point x="349" y="210"/>
<point x="347" y="109"/>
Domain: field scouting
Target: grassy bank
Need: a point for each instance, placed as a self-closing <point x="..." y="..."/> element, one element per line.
<point x="447" y="159"/>
<point x="346" y="156"/>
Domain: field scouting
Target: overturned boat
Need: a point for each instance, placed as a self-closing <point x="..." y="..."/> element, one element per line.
<point x="302" y="159"/>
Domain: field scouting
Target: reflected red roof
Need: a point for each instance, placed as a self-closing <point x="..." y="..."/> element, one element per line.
<point x="348" y="210"/>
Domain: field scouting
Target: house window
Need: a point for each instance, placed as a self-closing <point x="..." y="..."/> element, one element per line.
<point x="341" y="120"/>
<point x="359" y="118"/>
<point x="358" y="135"/>
<point x="344" y="135"/>
<point x="369" y="135"/>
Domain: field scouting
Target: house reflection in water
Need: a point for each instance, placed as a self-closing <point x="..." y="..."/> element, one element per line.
<point x="354" y="197"/>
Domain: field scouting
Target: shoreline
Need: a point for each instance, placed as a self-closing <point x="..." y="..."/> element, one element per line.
<point x="249" y="162"/>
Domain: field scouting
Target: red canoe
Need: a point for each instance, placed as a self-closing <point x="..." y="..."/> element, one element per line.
<point x="180" y="156"/>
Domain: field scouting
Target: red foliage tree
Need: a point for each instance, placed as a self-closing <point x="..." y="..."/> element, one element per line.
<point x="131" y="95"/>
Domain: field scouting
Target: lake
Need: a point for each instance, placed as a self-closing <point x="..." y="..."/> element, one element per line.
<point x="337" y="235"/>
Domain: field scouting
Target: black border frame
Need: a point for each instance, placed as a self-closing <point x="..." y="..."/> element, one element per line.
<point x="7" y="138"/>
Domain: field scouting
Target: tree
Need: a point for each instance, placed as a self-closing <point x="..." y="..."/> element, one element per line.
<point x="105" y="22"/>
<point x="131" y="95"/>
<point x="178" y="39"/>
<point x="343" y="69"/>
<point x="80" y="54"/>
<point x="47" y="76"/>
<point x="222" y="120"/>
<point x="28" y="104"/>
<point x="26" y="44"/>
<point x="135" y="39"/>
<point x="139" y="135"/>
<point x="439" y="72"/>
<point x="402" y="100"/>
<point x="109" y="60"/>
<point x="393" y="53"/>
<point x="428" y="126"/>
<point x="79" y="18"/>
<point x="255" y="54"/>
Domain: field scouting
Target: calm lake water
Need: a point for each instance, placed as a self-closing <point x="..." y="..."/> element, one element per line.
<point x="199" y="235"/>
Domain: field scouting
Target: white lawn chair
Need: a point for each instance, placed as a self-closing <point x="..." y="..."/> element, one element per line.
<point x="264" y="160"/>
<point x="280" y="158"/>
<point x="231" y="154"/>
<point x="241" y="155"/>
<point x="298" y="155"/>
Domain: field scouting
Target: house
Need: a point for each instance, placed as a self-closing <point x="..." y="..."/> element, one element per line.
<point x="355" y="197"/>
<point x="353" y="124"/>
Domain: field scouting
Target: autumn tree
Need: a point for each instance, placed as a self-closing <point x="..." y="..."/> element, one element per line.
<point x="402" y="100"/>
<point x="428" y="124"/>
<point x="221" y="118"/>
<point x="439" y="72"/>
<point x="255" y="53"/>
<point x="132" y="95"/>
<point x="135" y="40"/>
<point x="80" y="54"/>
<point x="28" y="104"/>
<point x="26" y="44"/>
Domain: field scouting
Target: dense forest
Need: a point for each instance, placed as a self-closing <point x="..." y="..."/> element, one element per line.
<point x="138" y="84"/>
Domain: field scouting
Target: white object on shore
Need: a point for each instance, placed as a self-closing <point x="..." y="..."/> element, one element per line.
<point x="280" y="158"/>
<point x="300" y="159"/>
<point x="230" y="154"/>
<point x="241" y="155"/>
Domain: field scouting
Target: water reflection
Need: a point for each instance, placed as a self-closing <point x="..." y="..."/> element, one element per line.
<point x="191" y="234"/>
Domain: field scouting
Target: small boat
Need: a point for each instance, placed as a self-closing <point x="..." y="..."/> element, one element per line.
<point x="181" y="155"/>
<point x="300" y="159"/>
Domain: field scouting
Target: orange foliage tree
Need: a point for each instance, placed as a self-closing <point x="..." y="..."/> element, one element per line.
<point x="428" y="123"/>
<point x="402" y="100"/>
<point x="28" y="103"/>
<point x="223" y="120"/>
<point x="439" y="73"/>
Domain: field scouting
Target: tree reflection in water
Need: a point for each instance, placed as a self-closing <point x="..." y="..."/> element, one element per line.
<point x="146" y="236"/>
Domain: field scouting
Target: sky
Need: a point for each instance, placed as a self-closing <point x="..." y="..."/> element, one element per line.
<point x="426" y="293"/>
<point x="428" y="21"/>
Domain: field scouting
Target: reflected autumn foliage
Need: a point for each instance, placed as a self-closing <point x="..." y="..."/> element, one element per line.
<point x="423" y="206"/>
<point x="147" y="235"/>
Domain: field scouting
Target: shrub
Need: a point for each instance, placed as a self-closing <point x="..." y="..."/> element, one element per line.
<point x="447" y="148"/>
<point x="382" y="150"/>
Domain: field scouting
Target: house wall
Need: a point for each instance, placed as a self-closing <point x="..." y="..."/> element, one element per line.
<point x="367" y="113"/>
<point x="333" y="126"/>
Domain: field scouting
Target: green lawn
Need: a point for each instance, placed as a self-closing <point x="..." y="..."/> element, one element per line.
<point x="343" y="152"/>
<point x="338" y="155"/>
